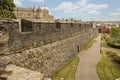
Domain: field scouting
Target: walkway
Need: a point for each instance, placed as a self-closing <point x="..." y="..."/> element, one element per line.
<point x="88" y="61"/>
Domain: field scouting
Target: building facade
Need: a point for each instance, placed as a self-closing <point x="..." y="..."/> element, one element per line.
<point x="33" y="13"/>
<point x="104" y="30"/>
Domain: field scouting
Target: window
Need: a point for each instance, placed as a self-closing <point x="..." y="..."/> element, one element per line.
<point x="26" y="26"/>
<point x="71" y="25"/>
<point x="58" y="26"/>
<point x="78" y="49"/>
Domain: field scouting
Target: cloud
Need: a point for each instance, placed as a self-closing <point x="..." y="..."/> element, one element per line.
<point x="82" y="6"/>
<point x="67" y="7"/>
<point x="94" y="12"/>
<point x="37" y="0"/>
<point x="115" y="15"/>
<point x="111" y="16"/>
<point x="82" y="3"/>
<point x="45" y="8"/>
<point x="18" y="3"/>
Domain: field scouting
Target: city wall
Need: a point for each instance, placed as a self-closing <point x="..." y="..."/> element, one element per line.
<point x="44" y="46"/>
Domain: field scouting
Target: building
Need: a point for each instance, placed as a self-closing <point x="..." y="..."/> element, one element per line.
<point x="33" y="13"/>
<point x="104" y="30"/>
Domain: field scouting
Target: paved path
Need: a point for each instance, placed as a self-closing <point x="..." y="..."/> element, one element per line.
<point x="88" y="61"/>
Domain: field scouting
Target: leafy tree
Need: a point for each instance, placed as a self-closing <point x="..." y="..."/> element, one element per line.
<point x="115" y="34"/>
<point x="6" y="8"/>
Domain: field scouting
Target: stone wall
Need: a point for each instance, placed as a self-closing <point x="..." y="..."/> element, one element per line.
<point x="33" y="13"/>
<point x="40" y="34"/>
<point x="50" y="58"/>
<point x="48" y="47"/>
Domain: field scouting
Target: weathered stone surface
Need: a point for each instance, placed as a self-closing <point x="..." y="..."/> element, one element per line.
<point x="46" y="49"/>
<point x="50" y="58"/>
<point x="41" y="34"/>
<point x="18" y="73"/>
<point x="4" y="37"/>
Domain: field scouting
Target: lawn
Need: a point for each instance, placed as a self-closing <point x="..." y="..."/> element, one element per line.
<point x="89" y="44"/>
<point x="104" y="43"/>
<point x="107" y="69"/>
<point x="68" y="73"/>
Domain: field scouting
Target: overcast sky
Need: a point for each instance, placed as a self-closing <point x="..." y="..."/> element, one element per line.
<point x="77" y="9"/>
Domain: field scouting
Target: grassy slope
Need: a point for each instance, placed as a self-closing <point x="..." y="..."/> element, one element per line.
<point x="68" y="73"/>
<point x="90" y="43"/>
<point x="104" y="43"/>
<point x="106" y="69"/>
<point x="87" y="46"/>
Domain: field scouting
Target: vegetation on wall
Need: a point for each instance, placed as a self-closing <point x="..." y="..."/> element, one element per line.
<point x="6" y="9"/>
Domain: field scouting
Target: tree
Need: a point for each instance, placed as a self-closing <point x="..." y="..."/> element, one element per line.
<point x="6" y="8"/>
<point x="115" y="34"/>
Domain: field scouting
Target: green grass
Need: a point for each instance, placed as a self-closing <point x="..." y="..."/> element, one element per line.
<point x="87" y="46"/>
<point x="90" y="43"/>
<point x="68" y="73"/>
<point x="106" y="68"/>
<point x="104" y="43"/>
<point x="108" y="42"/>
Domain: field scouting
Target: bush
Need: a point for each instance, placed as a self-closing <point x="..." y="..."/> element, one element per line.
<point x="116" y="59"/>
<point x="113" y="44"/>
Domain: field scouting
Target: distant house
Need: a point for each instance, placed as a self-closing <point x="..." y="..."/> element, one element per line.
<point x="104" y="30"/>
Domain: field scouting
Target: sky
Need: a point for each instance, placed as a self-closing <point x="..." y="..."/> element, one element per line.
<point x="86" y="10"/>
